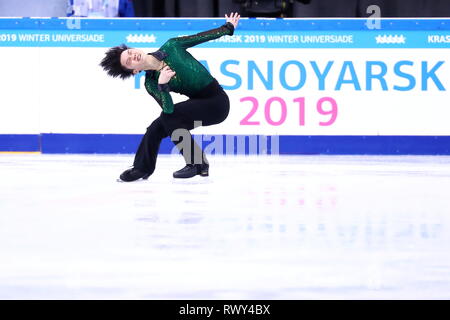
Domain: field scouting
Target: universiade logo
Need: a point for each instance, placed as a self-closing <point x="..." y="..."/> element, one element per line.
<point x="141" y="38"/>
<point x="391" y="39"/>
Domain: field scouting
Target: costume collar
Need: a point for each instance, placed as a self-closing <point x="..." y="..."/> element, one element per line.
<point x="160" y="55"/>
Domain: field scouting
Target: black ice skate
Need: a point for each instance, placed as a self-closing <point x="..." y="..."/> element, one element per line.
<point x="192" y="170"/>
<point x="133" y="174"/>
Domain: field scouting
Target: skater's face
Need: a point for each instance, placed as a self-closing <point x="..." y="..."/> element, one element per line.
<point x="133" y="59"/>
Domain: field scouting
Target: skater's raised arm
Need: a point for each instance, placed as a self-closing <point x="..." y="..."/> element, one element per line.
<point x="227" y="29"/>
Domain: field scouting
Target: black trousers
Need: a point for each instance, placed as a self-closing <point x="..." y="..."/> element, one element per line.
<point x="208" y="107"/>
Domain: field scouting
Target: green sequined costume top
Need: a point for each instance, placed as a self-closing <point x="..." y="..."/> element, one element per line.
<point x="191" y="76"/>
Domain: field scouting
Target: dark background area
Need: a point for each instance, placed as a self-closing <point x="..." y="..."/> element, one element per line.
<point x="218" y="8"/>
<point x="291" y="8"/>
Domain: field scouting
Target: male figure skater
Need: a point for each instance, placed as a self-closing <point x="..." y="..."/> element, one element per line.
<point x="173" y="68"/>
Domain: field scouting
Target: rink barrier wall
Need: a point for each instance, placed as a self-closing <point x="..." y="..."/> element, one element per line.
<point x="20" y="142"/>
<point x="409" y="105"/>
<point x="295" y="145"/>
<point x="22" y="32"/>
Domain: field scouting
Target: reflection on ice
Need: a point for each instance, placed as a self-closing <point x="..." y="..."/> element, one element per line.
<point x="264" y="227"/>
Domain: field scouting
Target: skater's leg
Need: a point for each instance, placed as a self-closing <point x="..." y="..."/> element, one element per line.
<point x="210" y="107"/>
<point x="207" y="110"/>
<point x="178" y="126"/>
<point x="145" y="158"/>
<point x="195" y="158"/>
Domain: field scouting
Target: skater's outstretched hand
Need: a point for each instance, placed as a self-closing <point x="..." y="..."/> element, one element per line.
<point x="233" y="18"/>
<point x="165" y="75"/>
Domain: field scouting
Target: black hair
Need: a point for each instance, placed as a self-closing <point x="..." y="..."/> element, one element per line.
<point x="111" y="63"/>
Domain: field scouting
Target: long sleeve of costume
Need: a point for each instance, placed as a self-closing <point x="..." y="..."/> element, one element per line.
<point x="161" y="96"/>
<point x="190" y="41"/>
<point x="191" y="76"/>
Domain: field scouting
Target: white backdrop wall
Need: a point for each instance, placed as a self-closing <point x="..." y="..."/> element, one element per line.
<point x="63" y="90"/>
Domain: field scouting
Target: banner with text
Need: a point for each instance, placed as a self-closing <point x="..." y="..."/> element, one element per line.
<point x="291" y="77"/>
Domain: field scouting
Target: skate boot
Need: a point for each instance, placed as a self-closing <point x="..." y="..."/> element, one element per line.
<point x="192" y="170"/>
<point x="133" y="174"/>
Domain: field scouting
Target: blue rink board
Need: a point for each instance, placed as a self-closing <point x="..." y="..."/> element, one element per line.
<point x="336" y="145"/>
<point x="252" y="33"/>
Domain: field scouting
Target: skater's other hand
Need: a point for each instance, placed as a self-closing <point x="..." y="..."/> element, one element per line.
<point x="233" y="18"/>
<point x="165" y="75"/>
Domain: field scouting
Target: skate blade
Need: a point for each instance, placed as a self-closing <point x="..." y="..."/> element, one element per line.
<point x="135" y="181"/>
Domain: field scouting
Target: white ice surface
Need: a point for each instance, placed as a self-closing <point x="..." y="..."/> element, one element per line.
<point x="267" y="227"/>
